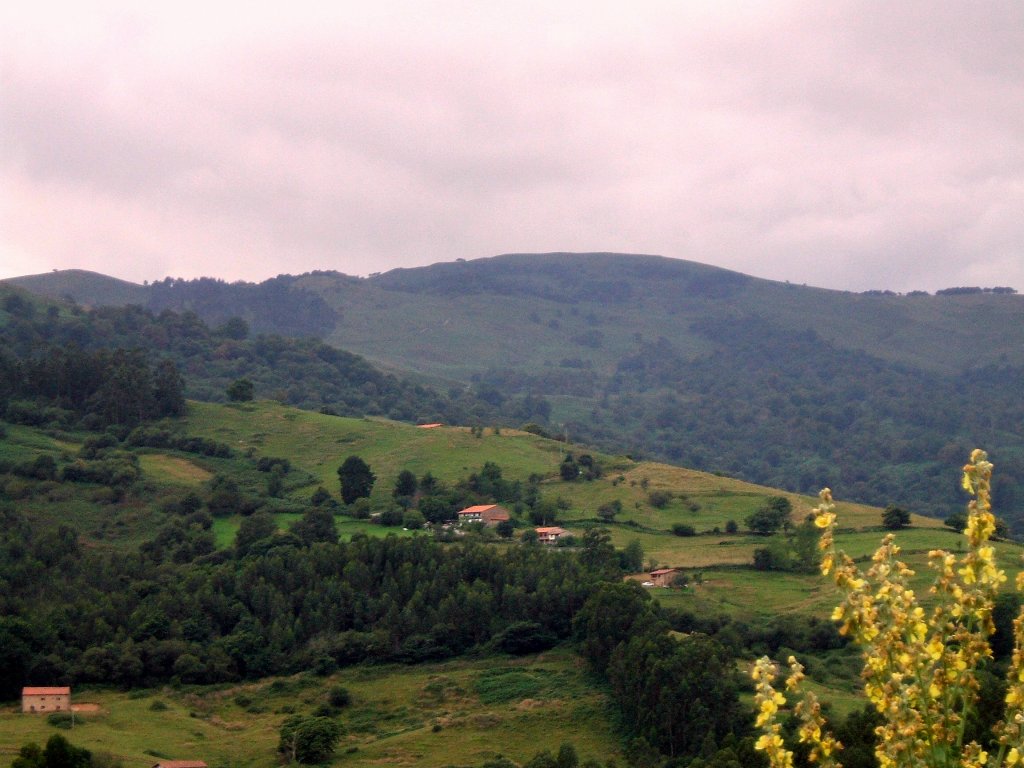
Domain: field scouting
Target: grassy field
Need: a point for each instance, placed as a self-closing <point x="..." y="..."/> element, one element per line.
<point x="319" y="444"/>
<point x="460" y="712"/>
<point x="409" y="715"/>
<point x="749" y="594"/>
<point x="316" y="444"/>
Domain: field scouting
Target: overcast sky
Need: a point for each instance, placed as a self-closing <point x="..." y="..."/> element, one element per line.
<point x="848" y="145"/>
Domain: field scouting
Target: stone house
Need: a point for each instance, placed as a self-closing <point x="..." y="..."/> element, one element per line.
<point x="54" y="699"/>
<point x="663" y="577"/>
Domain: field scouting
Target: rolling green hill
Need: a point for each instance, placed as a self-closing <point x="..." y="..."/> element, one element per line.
<point x="90" y="289"/>
<point x="456" y="319"/>
<point x="316" y="444"/>
<point x="153" y="593"/>
<point x="780" y="384"/>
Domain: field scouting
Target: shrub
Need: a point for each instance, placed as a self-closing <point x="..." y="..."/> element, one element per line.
<point x="339" y="697"/>
<point x="681" y="529"/>
<point x="523" y="637"/>
<point x="413" y="520"/>
<point x="392" y="516"/>
<point x="270" y="463"/>
<point x="659" y="499"/>
<point x="957" y="521"/>
<point x="65" y="720"/>
<point x="894" y="518"/>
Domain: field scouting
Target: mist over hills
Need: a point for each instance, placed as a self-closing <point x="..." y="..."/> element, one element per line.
<point x="782" y="384"/>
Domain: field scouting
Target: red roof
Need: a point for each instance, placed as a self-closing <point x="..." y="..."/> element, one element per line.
<point x="61" y="691"/>
<point x="430" y="426"/>
<point x="477" y="509"/>
<point x="551" y="530"/>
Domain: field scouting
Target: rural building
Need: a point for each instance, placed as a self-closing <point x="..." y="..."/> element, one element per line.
<point x="46" y="699"/>
<point x="550" y="534"/>
<point x="435" y="425"/>
<point x="180" y="764"/>
<point x="488" y="514"/>
<point x="663" y="577"/>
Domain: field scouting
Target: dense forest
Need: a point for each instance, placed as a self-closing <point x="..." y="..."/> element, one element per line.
<point x="57" y="363"/>
<point x="791" y="410"/>
<point x="275" y="306"/>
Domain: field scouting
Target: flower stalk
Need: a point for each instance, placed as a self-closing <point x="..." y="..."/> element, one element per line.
<point x="920" y="667"/>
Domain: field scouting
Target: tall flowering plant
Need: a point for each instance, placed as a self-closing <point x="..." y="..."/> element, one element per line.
<point x="919" y="665"/>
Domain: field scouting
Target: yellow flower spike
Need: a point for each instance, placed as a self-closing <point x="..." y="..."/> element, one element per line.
<point x="910" y="676"/>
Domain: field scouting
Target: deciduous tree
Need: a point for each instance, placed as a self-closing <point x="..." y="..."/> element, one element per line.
<point x="356" y="479"/>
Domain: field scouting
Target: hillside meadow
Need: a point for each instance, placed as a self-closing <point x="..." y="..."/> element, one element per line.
<point x="460" y="712"/>
<point x="456" y="713"/>
<point x="317" y="444"/>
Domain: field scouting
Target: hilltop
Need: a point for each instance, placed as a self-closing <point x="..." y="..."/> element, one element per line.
<point x="454" y="319"/>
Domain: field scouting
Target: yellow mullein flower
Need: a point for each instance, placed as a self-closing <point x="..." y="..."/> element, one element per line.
<point x="919" y="667"/>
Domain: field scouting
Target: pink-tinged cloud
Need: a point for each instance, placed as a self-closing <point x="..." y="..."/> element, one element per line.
<point x="849" y="144"/>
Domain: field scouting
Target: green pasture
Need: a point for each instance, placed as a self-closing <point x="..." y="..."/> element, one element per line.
<point x="459" y="712"/>
<point x="174" y="470"/>
<point x="316" y="444"/>
<point x="225" y="528"/>
<point x="319" y="444"/>
<point x="25" y="443"/>
<point x="746" y="593"/>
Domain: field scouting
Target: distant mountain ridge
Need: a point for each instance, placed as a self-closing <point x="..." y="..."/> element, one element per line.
<point x="652" y="295"/>
<point x="777" y="383"/>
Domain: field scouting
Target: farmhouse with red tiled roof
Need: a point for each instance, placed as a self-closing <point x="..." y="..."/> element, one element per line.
<point x="488" y="514"/>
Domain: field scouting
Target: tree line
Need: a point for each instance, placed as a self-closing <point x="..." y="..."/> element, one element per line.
<point x="44" y="348"/>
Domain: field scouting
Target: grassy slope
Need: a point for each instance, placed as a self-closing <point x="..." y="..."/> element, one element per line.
<point x="88" y="288"/>
<point x="456" y="336"/>
<point x="547" y="699"/>
<point x="318" y="444"/>
<point x="394" y="711"/>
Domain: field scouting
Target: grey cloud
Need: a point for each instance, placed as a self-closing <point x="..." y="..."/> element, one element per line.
<point x="853" y="145"/>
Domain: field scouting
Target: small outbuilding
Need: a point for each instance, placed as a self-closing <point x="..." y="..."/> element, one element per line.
<point x="54" y="699"/>
<point x="550" y="534"/>
<point x="663" y="577"/>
